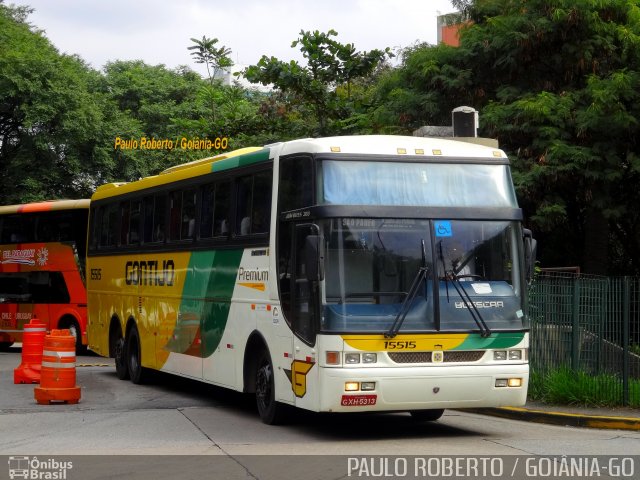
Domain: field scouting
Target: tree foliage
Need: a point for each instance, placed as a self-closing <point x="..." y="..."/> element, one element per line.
<point x="48" y="117"/>
<point x="556" y="82"/>
<point x="330" y="64"/>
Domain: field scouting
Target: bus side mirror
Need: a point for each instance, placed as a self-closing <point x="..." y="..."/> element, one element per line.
<point x="314" y="257"/>
<point x="530" y="251"/>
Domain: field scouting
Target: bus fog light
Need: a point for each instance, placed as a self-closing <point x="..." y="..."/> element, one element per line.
<point x="351" y="386"/>
<point x="501" y="382"/>
<point x="368" y="386"/>
<point x="500" y="355"/>
<point x="515" y="382"/>
<point x="333" y="358"/>
<point x="515" y="354"/>
<point x="369" y="358"/>
<point x="351" y="358"/>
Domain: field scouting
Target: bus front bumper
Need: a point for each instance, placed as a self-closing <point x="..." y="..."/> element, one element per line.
<point x="420" y="388"/>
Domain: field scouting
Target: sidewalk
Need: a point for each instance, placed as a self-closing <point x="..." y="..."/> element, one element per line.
<point x="612" y="418"/>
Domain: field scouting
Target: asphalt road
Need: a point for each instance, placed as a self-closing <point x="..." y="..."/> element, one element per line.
<point x="174" y="416"/>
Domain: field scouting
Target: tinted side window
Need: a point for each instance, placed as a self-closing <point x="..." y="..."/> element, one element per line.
<point x="134" y="222"/>
<point x="253" y="204"/>
<point x="296" y="183"/>
<point x="206" y="211"/>
<point x="175" y="210"/>
<point x="109" y="226"/>
<point x="188" y="219"/>
<point x="221" y="209"/>
<point x="125" y="215"/>
<point x="159" y="218"/>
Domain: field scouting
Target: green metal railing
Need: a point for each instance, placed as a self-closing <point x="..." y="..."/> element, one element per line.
<point x="588" y="327"/>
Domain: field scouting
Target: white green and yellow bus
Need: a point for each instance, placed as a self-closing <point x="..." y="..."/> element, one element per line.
<point x="343" y="274"/>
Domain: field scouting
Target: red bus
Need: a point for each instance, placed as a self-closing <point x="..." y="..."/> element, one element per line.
<point x="42" y="252"/>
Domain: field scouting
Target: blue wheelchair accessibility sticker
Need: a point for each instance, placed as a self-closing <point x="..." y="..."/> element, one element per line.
<point x="442" y="228"/>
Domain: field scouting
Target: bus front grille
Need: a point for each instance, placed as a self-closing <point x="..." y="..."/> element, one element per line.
<point x="451" y="356"/>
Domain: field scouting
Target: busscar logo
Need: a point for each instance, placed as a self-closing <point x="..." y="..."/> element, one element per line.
<point x="33" y="468"/>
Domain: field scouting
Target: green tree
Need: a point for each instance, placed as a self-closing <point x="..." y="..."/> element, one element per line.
<point x="215" y="60"/>
<point x="330" y="64"/>
<point x="557" y="82"/>
<point x="48" y="118"/>
<point x="150" y="101"/>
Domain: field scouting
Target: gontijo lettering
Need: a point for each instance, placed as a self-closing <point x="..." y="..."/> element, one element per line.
<point x="150" y="272"/>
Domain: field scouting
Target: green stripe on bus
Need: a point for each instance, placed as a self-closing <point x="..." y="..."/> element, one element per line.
<point x="495" y="340"/>
<point x="206" y="300"/>
<point x="241" y="161"/>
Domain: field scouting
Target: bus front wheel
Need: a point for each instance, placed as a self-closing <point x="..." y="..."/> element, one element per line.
<point x="270" y="411"/>
<point x="427" y="415"/>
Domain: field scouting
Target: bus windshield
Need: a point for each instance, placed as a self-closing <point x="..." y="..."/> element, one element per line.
<point x="371" y="264"/>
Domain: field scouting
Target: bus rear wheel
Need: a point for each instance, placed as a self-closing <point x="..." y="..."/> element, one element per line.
<point x="137" y="372"/>
<point x="271" y="412"/>
<point x="427" y="415"/>
<point x="122" y="371"/>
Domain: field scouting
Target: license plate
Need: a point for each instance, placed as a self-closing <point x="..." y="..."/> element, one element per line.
<point x="358" y="400"/>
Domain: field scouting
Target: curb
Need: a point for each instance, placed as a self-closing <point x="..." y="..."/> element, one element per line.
<point x="561" y="418"/>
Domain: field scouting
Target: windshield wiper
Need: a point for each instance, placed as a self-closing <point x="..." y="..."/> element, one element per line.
<point x="468" y="302"/>
<point x="421" y="276"/>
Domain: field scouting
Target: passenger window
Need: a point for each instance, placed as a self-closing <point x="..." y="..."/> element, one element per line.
<point x="187" y="231"/>
<point x="253" y="204"/>
<point x="221" y="209"/>
<point x="125" y="211"/>
<point x="134" y="222"/>
<point x="206" y="215"/>
<point x="175" y="218"/>
<point x="159" y="218"/>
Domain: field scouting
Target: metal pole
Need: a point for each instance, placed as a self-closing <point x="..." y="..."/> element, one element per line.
<point x="575" y="326"/>
<point x="626" y="300"/>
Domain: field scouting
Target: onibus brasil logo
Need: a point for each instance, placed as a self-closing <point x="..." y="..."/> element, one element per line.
<point x="33" y="468"/>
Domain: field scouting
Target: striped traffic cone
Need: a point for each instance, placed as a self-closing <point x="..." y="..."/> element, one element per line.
<point x="58" y="374"/>
<point x="32" y="343"/>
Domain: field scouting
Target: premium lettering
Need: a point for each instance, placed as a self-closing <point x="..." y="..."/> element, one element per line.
<point x="253" y="275"/>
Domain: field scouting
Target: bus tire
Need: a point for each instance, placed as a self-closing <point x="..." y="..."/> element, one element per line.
<point x="4" y="346"/>
<point x="427" y="415"/>
<point x="271" y="412"/>
<point x="137" y="373"/>
<point x="122" y="371"/>
<point x="74" y="329"/>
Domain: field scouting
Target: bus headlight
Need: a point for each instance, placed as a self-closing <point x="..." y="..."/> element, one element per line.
<point x="500" y="355"/>
<point x="515" y="354"/>
<point x="351" y="358"/>
<point x="369" y="358"/>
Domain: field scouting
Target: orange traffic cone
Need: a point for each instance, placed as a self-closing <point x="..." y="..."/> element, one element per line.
<point x="32" y="344"/>
<point x="58" y="375"/>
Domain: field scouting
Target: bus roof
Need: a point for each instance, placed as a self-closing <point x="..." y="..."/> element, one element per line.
<point x="391" y="145"/>
<point x="225" y="161"/>
<point x="45" y="206"/>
